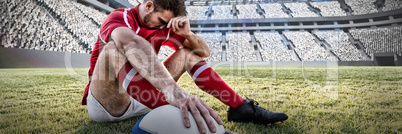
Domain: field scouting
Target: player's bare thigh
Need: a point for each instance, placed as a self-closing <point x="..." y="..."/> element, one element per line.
<point x="104" y="85"/>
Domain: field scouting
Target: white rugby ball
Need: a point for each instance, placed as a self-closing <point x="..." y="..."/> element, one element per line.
<point x="168" y="120"/>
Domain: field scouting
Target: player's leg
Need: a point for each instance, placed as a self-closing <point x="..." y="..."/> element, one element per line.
<point x="107" y="100"/>
<point x="209" y="81"/>
<point x="185" y="60"/>
<point x="104" y="86"/>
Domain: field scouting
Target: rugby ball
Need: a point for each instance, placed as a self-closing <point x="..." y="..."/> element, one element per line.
<point x="168" y="120"/>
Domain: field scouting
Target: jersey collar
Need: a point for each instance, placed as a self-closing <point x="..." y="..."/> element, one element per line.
<point x="137" y="17"/>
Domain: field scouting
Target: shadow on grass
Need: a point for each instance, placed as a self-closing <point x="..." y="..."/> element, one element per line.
<point x="251" y="128"/>
<point x="124" y="126"/>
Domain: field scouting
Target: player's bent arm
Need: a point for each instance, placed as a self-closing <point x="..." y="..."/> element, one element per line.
<point x="197" y="44"/>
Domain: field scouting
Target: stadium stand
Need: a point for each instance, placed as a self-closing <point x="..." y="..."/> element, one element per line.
<point x="329" y="8"/>
<point x="91" y="13"/>
<point x="248" y="11"/>
<point x="380" y="40"/>
<point x="239" y="47"/>
<point x="68" y="26"/>
<point x="75" y="20"/>
<point x="197" y="12"/>
<point x="307" y="48"/>
<point x="272" y="47"/>
<point x="392" y="5"/>
<point x="214" y="42"/>
<point x="273" y="10"/>
<point x="340" y="44"/>
<point x="300" y="9"/>
<point x="30" y="27"/>
<point x="362" y="6"/>
<point x="50" y="25"/>
<point x="222" y="12"/>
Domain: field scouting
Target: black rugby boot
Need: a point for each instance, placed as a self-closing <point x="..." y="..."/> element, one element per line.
<point x="251" y="112"/>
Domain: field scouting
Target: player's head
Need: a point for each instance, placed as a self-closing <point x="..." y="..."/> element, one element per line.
<point x="157" y="13"/>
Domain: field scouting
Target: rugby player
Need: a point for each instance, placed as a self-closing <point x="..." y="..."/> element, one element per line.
<point x="126" y="78"/>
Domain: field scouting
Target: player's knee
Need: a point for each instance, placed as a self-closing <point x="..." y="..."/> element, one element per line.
<point x="110" y="48"/>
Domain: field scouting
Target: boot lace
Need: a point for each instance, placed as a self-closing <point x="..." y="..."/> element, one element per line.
<point x="254" y="104"/>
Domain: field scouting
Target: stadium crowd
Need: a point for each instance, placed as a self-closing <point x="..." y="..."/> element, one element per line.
<point x="272" y="48"/>
<point x="248" y="11"/>
<point x="92" y="13"/>
<point x="362" y="6"/>
<point x="300" y="9"/>
<point x="214" y="42"/>
<point x="341" y="46"/>
<point x="222" y="12"/>
<point x="307" y="48"/>
<point x="64" y="26"/>
<point x="75" y="20"/>
<point x="273" y="10"/>
<point x="197" y="12"/>
<point x="392" y="5"/>
<point x="239" y="47"/>
<point x="380" y="40"/>
<point x="67" y="26"/>
<point x="29" y="26"/>
<point x="329" y="8"/>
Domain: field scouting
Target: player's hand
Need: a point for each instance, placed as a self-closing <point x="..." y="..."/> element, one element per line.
<point x="198" y="108"/>
<point x="180" y="25"/>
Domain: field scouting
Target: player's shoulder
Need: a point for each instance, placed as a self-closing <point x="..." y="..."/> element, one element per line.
<point x="117" y="13"/>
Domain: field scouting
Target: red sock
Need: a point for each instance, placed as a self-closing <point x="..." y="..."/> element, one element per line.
<point x="139" y="88"/>
<point x="209" y="81"/>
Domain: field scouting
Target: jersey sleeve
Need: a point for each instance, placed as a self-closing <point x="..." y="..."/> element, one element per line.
<point x="174" y="42"/>
<point x="114" y="20"/>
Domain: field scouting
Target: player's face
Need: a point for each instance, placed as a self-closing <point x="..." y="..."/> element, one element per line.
<point x="159" y="19"/>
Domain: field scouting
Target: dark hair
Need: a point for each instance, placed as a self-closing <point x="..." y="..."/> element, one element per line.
<point x="176" y="6"/>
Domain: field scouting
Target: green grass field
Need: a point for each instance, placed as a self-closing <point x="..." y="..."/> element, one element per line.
<point x="317" y="100"/>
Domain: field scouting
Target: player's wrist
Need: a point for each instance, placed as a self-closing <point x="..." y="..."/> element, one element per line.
<point x="172" y="93"/>
<point x="189" y="35"/>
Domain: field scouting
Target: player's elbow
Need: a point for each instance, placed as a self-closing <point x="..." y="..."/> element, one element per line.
<point x="207" y="53"/>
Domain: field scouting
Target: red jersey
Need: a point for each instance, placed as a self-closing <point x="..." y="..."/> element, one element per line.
<point x="129" y="17"/>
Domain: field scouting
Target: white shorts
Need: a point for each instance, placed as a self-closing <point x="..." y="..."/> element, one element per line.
<point x="99" y="114"/>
